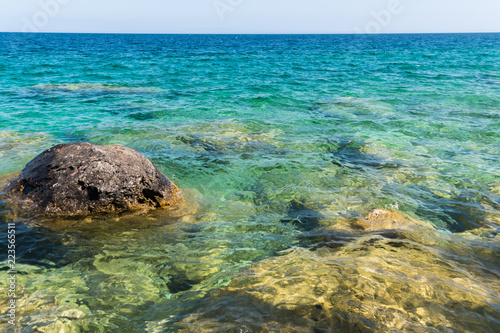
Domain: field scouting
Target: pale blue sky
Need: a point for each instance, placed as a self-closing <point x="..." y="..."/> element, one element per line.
<point x="250" y="16"/>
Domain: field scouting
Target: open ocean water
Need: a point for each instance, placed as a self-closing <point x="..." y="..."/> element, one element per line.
<point x="295" y="149"/>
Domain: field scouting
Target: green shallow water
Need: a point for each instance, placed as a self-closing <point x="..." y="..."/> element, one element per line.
<point x="284" y="142"/>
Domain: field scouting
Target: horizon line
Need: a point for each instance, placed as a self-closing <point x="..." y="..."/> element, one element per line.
<point x="257" y="33"/>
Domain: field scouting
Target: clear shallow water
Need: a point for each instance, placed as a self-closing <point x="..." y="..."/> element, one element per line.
<point x="284" y="142"/>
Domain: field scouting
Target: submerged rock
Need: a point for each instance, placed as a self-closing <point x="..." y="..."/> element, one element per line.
<point x="372" y="282"/>
<point x="81" y="178"/>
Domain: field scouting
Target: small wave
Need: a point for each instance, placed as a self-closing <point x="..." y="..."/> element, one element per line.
<point x="91" y="87"/>
<point x="357" y="102"/>
<point x="343" y="108"/>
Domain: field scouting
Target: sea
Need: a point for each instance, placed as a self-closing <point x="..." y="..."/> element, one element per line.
<point x="335" y="183"/>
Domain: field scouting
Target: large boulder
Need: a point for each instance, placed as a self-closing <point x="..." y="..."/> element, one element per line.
<point x="81" y="179"/>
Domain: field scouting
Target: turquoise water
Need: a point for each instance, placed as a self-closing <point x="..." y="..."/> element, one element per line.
<point x="280" y="140"/>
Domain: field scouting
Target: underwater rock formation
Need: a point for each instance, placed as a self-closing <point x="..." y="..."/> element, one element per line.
<point x="81" y="178"/>
<point x="369" y="283"/>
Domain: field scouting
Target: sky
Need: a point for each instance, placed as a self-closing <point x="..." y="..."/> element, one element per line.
<point x="250" y="16"/>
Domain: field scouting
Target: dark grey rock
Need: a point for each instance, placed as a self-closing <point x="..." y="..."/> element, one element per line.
<point x="81" y="179"/>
